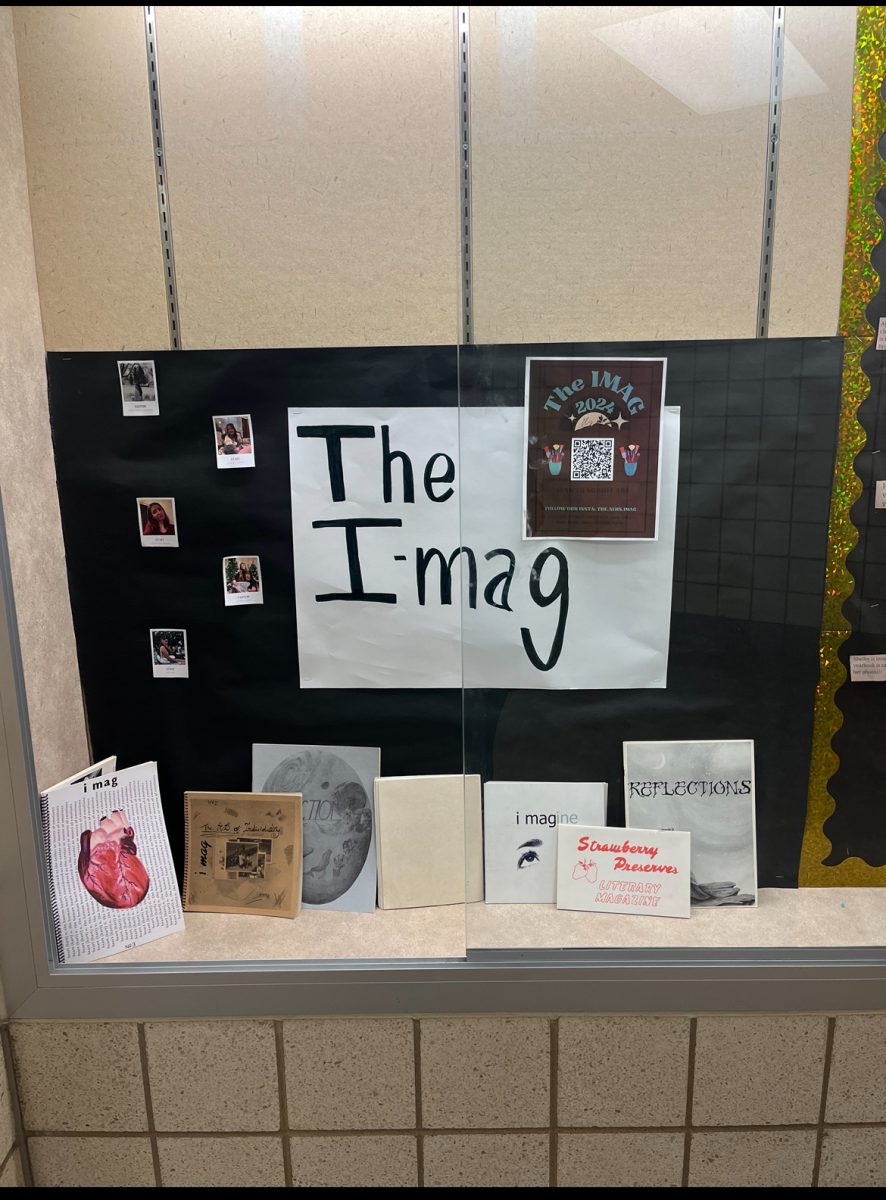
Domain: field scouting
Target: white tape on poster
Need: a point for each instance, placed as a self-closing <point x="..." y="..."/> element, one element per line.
<point x="411" y="570"/>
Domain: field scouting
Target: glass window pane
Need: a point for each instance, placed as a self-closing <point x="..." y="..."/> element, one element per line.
<point x="813" y="170"/>
<point x="618" y="170"/>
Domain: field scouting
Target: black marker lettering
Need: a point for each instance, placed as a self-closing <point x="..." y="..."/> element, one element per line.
<point x="505" y="578"/>
<point x="350" y="525"/>
<point x="560" y="591"/>
<point x="423" y="558"/>
<point x="447" y="477"/>
<point x="333" y="435"/>
<point x="388" y="456"/>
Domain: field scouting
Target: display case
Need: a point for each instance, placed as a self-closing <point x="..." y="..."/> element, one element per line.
<point x="499" y="417"/>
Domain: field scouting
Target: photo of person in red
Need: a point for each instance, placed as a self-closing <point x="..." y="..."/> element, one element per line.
<point x="157" y="521"/>
<point x="157" y="524"/>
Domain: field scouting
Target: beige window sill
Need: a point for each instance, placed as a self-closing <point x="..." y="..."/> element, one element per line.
<point x="791" y="918"/>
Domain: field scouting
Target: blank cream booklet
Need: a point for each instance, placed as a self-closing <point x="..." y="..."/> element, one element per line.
<point x="520" y="835"/>
<point x="706" y="788"/>
<point x="423" y="826"/>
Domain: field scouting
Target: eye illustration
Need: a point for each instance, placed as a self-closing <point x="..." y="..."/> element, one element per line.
<point x="529" y="855"/>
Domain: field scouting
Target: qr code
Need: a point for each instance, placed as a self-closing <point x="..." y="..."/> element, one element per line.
<point x="592" y="460"/>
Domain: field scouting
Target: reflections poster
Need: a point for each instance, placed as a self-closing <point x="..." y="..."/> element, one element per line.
<point x="592" y="447"/>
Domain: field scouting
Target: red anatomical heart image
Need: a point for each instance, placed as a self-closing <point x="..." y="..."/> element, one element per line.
<point x="109" y="865"/>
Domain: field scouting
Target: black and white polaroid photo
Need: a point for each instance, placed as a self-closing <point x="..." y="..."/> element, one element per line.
<point x="157" y="523"/>
<point x="169" y="653"/>
<point x="241" y="857"/>
<point x="241" y="575"/>
<point x="138" y="388"/>
<point x="256" y="871"/>
<point x="234" y="441"/>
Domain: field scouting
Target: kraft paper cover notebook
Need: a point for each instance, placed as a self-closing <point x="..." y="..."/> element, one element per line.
<point x="243" y="853"/>
<point x="420" y="839"/>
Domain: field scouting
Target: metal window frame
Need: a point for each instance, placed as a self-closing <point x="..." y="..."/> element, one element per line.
<point x="623" y="981"/>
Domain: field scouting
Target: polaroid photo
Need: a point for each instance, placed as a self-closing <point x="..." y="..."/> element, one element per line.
<point x="241" y="856"/>
<point x="157" y="523"/>
<point x="169" y="653"/>
<point x="138" y="388"/>
<point x="234" y="443"/>
<point x="255" y="870"/>
<point x="241" y="577"/>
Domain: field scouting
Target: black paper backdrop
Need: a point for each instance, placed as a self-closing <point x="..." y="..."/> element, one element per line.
<point x="757" y="444"/>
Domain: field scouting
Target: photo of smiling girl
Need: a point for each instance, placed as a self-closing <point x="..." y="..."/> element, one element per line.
<point x="234" y="441"/>
<point x="242" y="579"/>
<point x="157" y="525"/>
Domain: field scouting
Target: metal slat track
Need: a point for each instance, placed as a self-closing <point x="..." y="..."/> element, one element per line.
<point x="776" y="78"/>
<point x="162" y="182"/>
<point x="464" y="109"/>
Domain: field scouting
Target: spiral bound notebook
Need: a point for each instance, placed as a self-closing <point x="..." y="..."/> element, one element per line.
<point x="243" y="853"/>
<point x="112" y="883"/>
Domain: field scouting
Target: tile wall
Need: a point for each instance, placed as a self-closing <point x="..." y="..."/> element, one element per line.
<point x="769" y="1101"/>
<point x="10" y="1153"/>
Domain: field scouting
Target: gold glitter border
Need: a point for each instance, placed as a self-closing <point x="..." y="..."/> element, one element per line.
<point x="867" y="174"/>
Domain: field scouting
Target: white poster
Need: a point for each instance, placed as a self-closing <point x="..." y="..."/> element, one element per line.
<point x="411" y="570"/>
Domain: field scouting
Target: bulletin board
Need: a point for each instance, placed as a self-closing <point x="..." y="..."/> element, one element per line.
<point x="758" y="436"/>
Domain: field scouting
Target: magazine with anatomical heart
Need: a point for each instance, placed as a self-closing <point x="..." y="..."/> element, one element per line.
<point x="107" y="766"/>
<point x="112" y="883"/>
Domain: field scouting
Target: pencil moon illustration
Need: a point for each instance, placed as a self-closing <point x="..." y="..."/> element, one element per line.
<point x="337" y="820"/>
